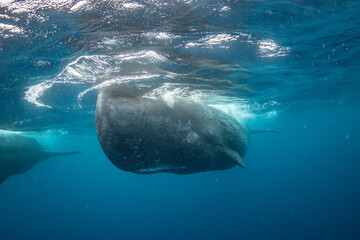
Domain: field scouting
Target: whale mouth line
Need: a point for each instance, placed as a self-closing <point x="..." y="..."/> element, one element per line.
<point x="159" y="168"/>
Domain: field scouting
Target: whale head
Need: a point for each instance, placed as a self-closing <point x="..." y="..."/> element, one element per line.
<point x="145" y="135"/>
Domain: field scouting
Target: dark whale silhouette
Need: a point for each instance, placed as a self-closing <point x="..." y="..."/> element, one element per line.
<point x="145" y="135"/>
<point x="19" y="153"/>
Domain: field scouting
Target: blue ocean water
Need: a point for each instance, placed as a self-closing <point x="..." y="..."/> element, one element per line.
<point x="291" y="66"/>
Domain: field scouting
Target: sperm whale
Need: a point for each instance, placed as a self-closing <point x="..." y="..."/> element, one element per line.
<point x="145" y="135"/>
<point x="18" y="154"/>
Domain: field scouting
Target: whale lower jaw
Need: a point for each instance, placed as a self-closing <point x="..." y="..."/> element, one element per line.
<point x="160" y="168"/>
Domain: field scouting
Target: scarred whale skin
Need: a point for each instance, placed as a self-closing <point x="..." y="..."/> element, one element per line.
<point x="19" y="153"/>
<point x="146" y="135"/>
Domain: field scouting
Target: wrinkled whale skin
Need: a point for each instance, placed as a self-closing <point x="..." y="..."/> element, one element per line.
<point x="145" y="135"/>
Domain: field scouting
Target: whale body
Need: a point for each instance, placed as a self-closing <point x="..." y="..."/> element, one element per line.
<point x="19" y="153"/>
<point x="146" y="135"/>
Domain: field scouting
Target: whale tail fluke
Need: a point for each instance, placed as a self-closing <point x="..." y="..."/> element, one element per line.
<point x="263" y="131"/>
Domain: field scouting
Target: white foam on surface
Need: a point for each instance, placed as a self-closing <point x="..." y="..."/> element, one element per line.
<point x="97" y="72"/>
<point x="268" y="48"/>
<point x="213" y="40"/>
<point x="35" y="92"/>
<point x="9" y="28"/>
<point x="133" y="5"/>
<point x="116" y="81"/>
<point x="78" y="6"/>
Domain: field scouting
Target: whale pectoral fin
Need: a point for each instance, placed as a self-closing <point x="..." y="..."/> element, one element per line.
<point x="236" y="157"/>
<point x="240" y="161"/>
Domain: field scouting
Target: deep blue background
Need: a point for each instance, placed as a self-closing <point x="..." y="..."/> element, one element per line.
<point x="301" y="183"/>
